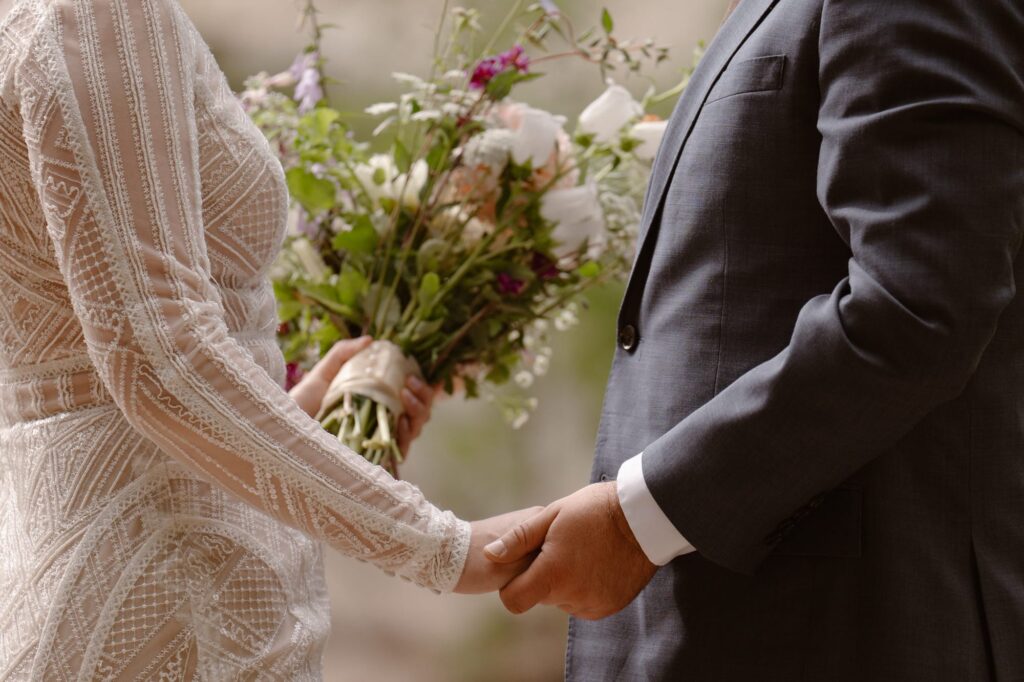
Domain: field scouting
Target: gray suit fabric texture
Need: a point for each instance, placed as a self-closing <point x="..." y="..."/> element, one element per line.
<point x="822" y="354"/>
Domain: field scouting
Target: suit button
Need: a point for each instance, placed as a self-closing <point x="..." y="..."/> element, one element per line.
<point x="603" y="477"/>
<point x="628" y="338"/>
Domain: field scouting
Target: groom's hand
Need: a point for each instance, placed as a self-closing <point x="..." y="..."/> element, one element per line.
<point x="590" y="564"/>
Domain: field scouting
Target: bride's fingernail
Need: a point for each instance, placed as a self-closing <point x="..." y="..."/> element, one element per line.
<point x="496" y="548"/>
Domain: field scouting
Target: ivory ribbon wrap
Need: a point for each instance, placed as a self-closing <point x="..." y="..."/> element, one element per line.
<point x="377" y="372"/>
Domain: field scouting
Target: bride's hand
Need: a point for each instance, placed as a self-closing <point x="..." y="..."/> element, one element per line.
<point x="417" y="397"/>
<point x="482" y="575"/>
<point x="312" y="387"/>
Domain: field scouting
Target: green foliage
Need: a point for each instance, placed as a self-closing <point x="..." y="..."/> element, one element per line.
<point x="443" y="244"/>
<point x="314" y="194"/>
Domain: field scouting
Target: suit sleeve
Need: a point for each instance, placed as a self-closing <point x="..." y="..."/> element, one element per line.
<point x="921" y="171"/>
<point x="114" y="148"/>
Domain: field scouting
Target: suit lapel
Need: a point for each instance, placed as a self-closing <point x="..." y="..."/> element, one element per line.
<point x="740" y="24"/>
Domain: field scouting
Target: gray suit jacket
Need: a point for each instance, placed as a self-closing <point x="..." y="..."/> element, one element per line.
<point x="821" y="352"/>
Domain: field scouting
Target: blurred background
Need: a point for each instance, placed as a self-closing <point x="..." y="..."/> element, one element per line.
<point x="469" y="459"/>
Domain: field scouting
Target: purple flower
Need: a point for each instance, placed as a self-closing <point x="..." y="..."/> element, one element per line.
<point x="484" y="72"/>
<point x="308" y="90"/>
<point x="509" y="285"/>
<point x="516" y="57"/>
<point x="550" y="7"/>
<point x="490" y="67"/>
<point x="305" y="226"/>
<point x="544" y="267"/>
<point x="293" y="375"/>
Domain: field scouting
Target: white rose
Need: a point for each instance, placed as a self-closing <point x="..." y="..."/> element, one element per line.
<point x="576" y="212"/>
<point x="536" y="137"/>
<point x="649" y="133"/>
<point x="608" y="114"/>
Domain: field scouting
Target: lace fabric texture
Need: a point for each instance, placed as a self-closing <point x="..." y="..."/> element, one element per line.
<point x="163" y="500"/>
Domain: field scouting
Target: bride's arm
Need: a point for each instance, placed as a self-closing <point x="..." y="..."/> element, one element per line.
<point x="113" y="144"/>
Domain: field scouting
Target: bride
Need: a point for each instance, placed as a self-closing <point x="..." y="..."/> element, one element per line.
<point x="163" y="500"/>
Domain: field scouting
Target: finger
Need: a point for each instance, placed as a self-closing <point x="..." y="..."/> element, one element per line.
<point x="525" y="537"/>
<point x="404" y="435"/>
<point x="421" y="390"/>
<point x="414" y="407"/>
<point x="340" y="353"/>
<point x="529" y="588"/>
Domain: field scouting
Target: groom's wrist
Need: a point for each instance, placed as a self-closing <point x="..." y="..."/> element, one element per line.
<point x="659" y="539"/>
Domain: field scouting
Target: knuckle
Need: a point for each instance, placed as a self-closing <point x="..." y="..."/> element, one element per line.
<point x="520" y="534"/>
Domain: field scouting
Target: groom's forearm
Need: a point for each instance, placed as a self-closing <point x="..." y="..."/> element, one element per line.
<point x="920" y="173"/>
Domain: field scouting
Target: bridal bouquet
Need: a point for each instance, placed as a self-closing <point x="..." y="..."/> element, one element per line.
<point x="463" y="227"/>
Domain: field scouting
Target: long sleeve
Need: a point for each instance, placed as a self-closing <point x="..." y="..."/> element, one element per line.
<point x="921" y="172"/>
<point x="114" y="150"/>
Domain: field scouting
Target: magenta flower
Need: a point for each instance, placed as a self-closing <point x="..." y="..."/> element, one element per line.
<point x="544" y="267"/>
<point x="293" y="375"/>
<point x="516" y="57"/>
<point x="509" y="285"/>
<point x="490" y="67"/>
<point x="484" y="72"/>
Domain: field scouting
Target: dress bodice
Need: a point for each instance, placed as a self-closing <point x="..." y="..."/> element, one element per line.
<point x="161" y="496"/>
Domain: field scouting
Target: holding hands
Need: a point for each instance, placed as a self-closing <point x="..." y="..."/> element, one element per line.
<point x="588" y="563"/>
<point x="578" y="553"/>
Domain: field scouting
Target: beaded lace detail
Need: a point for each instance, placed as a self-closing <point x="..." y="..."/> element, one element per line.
<point x="162" y="498"/>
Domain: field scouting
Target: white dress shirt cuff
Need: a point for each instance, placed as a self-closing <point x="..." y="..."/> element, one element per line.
<point x="658" y="538"/>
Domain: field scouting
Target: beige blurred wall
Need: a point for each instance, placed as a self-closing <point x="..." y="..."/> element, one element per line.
<point x="385" y="630"/>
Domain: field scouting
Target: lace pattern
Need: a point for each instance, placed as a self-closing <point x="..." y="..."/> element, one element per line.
<point x="163" y="497"/>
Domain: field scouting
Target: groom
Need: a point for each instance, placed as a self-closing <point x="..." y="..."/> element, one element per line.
<point x="821" y="359"/>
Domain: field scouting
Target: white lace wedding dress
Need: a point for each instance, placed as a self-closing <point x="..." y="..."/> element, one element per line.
<point x="162" y="501"/>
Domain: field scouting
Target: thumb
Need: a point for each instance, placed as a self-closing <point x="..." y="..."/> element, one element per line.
<point x="340" y="353"/>
<point x="523" y="539"/>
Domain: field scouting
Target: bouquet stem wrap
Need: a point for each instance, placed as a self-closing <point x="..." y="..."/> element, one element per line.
<point x="363" y="403"/>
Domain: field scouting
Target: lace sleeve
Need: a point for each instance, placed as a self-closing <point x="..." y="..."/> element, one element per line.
<point x="118" y="128"/>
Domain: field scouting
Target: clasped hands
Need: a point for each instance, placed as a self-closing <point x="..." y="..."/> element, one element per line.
<point x="578" y="554"/>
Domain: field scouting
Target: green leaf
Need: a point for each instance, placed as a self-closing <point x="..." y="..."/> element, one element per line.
<point x="499" y="374"/>
<point x="403" y="159"/>
<point x="423" y="329"/>
<point x="327" y="334"/>
<point x="439" y="153"/>
<point x="501" y="85"/>
<point x="351" y="286"/>
<point x="283" y="292"/>
<point x="322" y="119"/>
<point x="606" y="21"/>
<point x="361" y="239"/>
<point x="327" y="296"/>
<point x="289" y="310"/>
<point x="430" y="285"/>
<point x="589" y="269"/>
<point x="314" y="194"/>
<point x="429" y="256"/>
